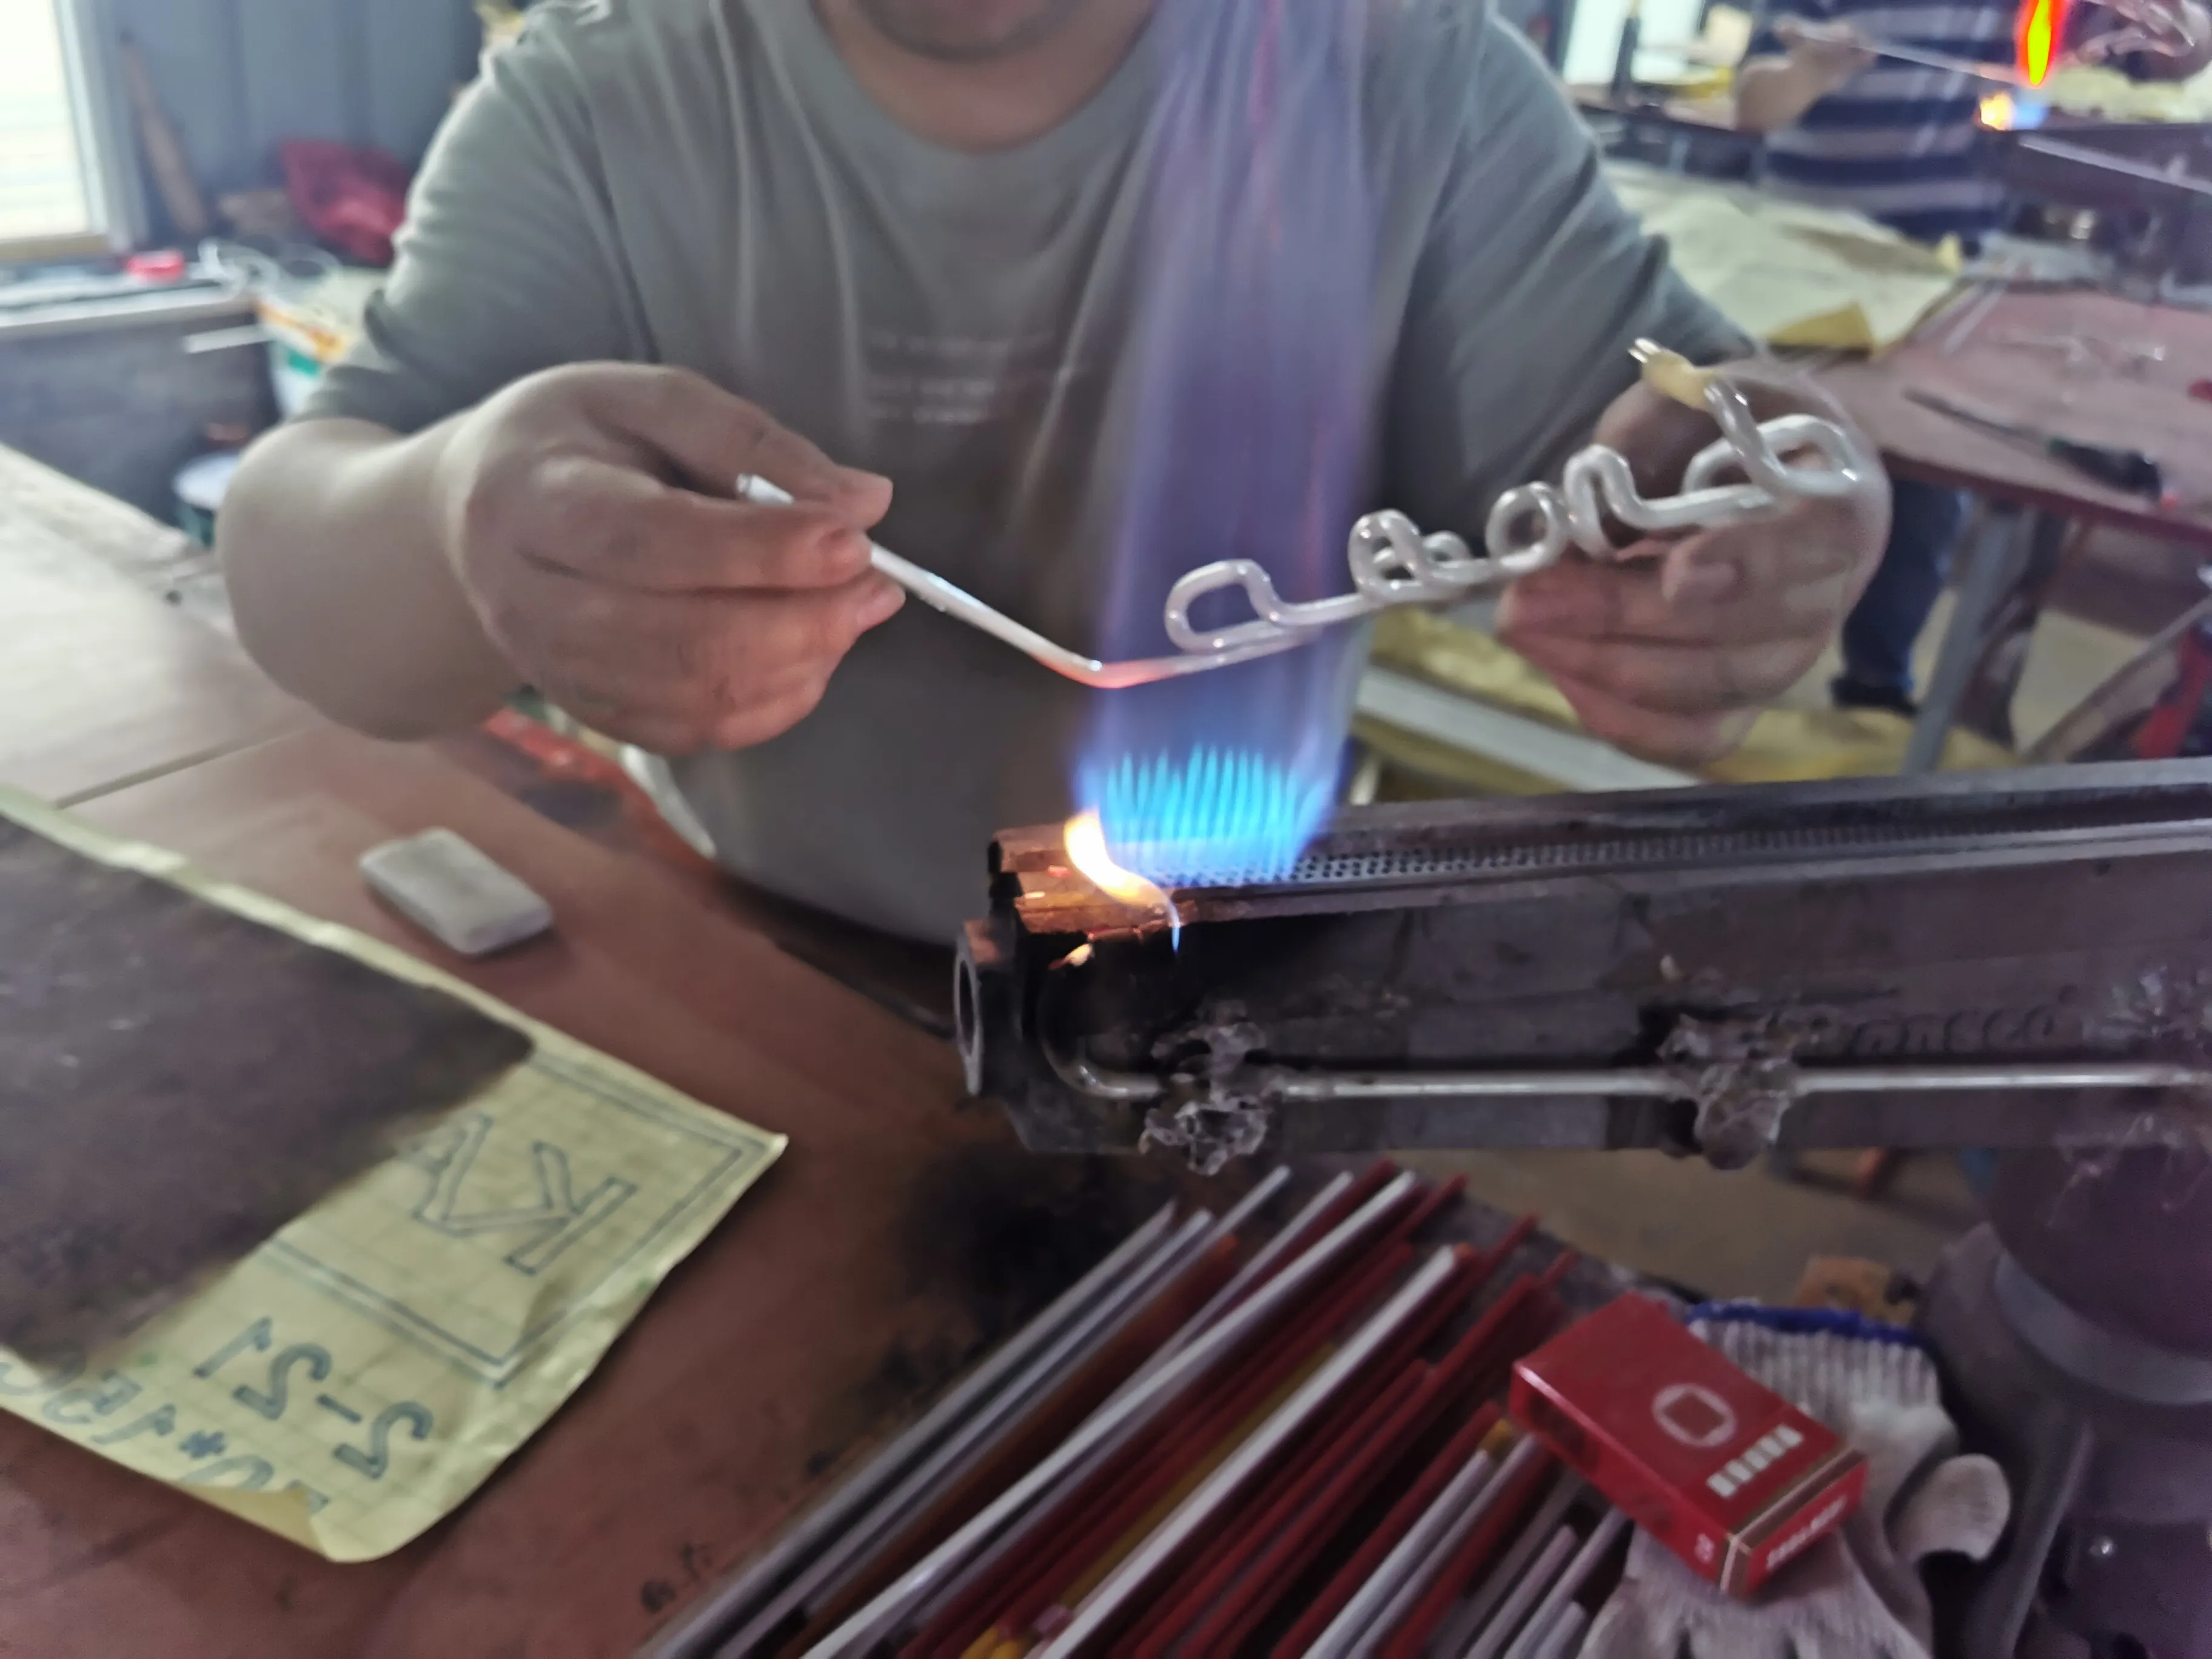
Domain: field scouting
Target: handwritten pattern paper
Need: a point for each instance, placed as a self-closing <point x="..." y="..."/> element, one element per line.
<point x="355" y="1379"/>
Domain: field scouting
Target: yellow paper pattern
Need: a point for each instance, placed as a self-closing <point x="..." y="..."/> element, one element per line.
<point x="358" y="1377"/>
<point x="1786" y="273"/>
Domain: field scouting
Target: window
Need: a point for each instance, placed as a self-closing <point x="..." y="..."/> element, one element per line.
<point x="58" y="191"/>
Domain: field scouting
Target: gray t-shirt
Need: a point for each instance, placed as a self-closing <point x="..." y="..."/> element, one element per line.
<point x="702" y="183"/>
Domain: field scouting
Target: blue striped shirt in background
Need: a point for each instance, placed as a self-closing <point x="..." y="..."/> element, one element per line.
<point x="1897" y="143"/>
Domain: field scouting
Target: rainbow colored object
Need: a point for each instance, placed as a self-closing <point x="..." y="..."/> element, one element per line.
<point x="2039" y="36"/>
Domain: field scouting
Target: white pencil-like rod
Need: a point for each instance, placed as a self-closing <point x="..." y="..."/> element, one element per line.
<point x="957" y="602"/>
<point x="2005" y="75"/>
<point x="1137" y="1573"/>
<point x="1357" y="1629"/>
<point x="1419" y="1582"/>
<point x="806" y="1539"/>
<point x="989" y="1557"/>
<point x="1564" y="1639"/>
<point x="1112" y="1424"/>
<point x="1238" y="1217"/>
<point x="1473" y="1616"/>
<point x="1579" y="1572"/>
<point x="1241" y="1213"/>
<point x="1557" y="1551"/>
<point x="975" y="1439"/>
<point x="1294" y="1234"/>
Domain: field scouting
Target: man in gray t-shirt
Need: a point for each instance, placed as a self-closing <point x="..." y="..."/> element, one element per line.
<point x="902" y="232"/>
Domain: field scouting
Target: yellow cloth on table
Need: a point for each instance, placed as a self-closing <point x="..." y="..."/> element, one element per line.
<point x="2092" y="89"/>
<point x="354" y="1380"/>
<point x="1785" y="273"/>
<point x="1784" y="745"/>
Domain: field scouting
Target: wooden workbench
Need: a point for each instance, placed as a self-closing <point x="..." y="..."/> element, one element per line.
<point x="902" y="1231"/>
<point x="101" y="682"/>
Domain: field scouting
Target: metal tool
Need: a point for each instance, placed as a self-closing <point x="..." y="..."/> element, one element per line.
<point x="1628" y="970"/>
<point x="2127" y="470"/>
<point x="2003" y="75"/>
<point x="1791" y="458"/>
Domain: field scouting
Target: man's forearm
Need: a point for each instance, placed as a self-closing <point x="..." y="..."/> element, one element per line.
<point x="333" y="544"/>
<point x="1774" y="93"/>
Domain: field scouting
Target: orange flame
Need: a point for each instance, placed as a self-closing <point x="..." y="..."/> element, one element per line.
<point x="1086" y="851"/>
<point x="2041" y="32"/>
<point x="1996" y="111"/>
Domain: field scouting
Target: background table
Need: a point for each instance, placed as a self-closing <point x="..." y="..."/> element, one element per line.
<point x="1990" y="365"/>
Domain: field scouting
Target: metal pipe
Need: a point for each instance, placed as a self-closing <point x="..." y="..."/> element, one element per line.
<point x="1112" y="1424"/>
<point x="697" y="1634"/>
<point x="1221" y="1487"/>
<point x="1317" y="1087"/>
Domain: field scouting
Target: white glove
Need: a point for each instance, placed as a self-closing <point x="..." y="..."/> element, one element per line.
<point x="1857" y="1594"/>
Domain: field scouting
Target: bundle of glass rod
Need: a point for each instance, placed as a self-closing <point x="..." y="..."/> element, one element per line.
<point x="1217" y="1442"/>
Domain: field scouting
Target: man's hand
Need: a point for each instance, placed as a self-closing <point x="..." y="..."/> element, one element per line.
<point x="1671" y="651"/>
<point x="1830" y="54"/>
<point x="587" y="514"/>
<point x="1772" y="93"/>
<point x="2168" y="40"/>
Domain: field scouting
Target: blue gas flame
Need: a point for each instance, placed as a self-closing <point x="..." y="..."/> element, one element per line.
<point x="1248" y="435"/>
<point x="1212" y="818"/>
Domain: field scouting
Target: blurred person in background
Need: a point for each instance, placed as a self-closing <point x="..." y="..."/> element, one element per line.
<point x="1902" y="143"/>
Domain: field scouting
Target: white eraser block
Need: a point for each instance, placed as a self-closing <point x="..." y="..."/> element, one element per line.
<point x="454" y="893"/>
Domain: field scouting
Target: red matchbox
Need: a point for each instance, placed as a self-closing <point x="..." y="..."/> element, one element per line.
<point x="1725" y="1472"/>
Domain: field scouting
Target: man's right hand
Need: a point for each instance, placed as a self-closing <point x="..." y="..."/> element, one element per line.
<point x="587" y="513"/>
<point x="1830" y="54"/>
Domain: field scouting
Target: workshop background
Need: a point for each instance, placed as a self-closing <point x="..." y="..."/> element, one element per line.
<point x="197" y="200"/>
<point x="235" y="166"/>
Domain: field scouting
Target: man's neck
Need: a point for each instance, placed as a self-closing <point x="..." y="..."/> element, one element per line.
<point x="994" y="103"/>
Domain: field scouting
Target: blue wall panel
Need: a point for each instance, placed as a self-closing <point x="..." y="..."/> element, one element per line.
<point x="239" y="77"/>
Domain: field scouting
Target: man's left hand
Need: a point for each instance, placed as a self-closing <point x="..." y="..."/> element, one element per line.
<point x="1671" y="650"/>
<point x="2162" y="40"/>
